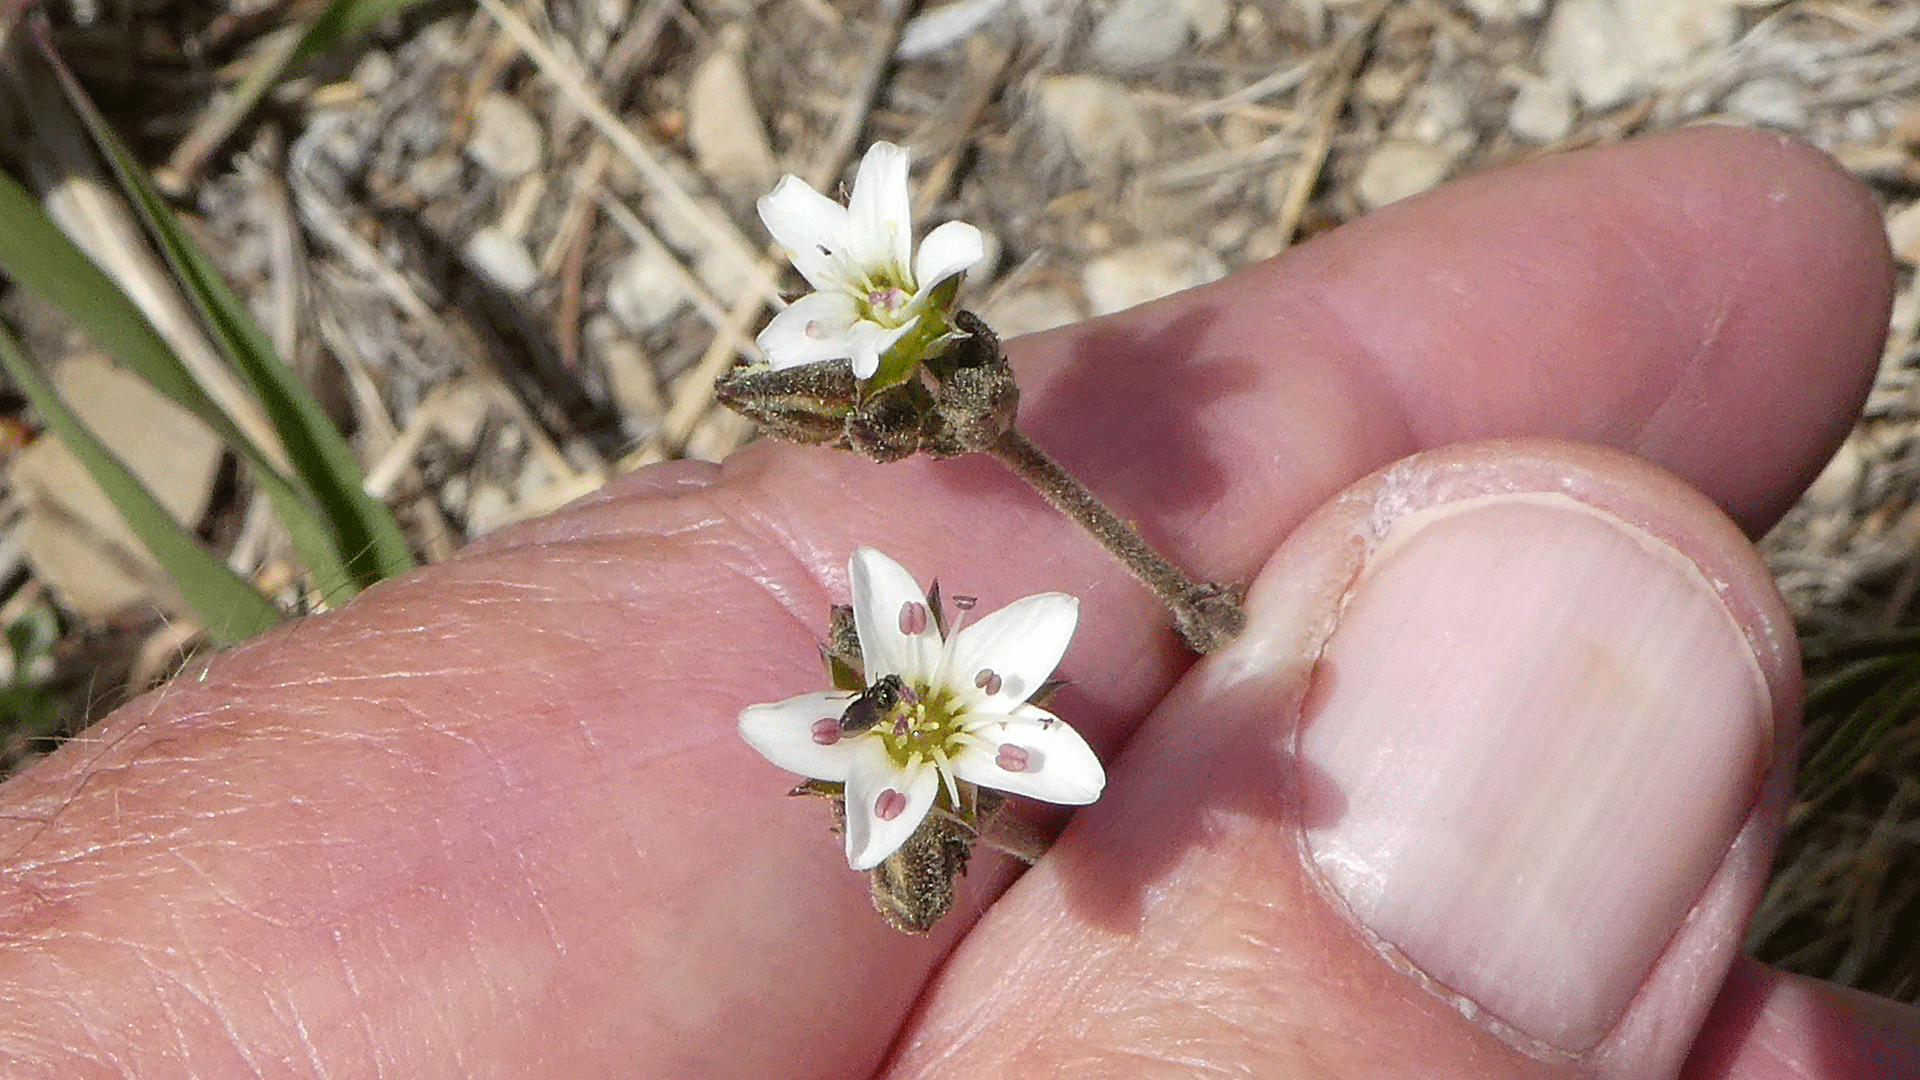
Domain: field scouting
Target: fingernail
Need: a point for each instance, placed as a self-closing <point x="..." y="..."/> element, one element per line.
<point x="1530" y="740"/>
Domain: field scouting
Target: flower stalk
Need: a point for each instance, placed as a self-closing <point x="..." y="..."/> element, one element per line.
<point x="880" y="360"/>
<point x="1207" y="615"/>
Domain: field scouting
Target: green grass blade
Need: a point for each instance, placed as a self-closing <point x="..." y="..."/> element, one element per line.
<point x="342" y="19"/>
<point x="352" y="541"/>
<point x="1861" y="728"/>
<point x="367" y="541"/>
<point x="39" y="257"/>
<point x="231" y="609"/>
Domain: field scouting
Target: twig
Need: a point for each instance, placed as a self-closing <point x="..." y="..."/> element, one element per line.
<point x="833" y="157"/>
<point x="219" y="121"/>
<point x="1320" y="140"/>
<point x="710" y="309"/>
<point x="986" y="66"/>
<point x="1282" y="80"/>
<point x="718" y="232"/>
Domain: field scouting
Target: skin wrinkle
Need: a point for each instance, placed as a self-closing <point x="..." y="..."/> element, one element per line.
<point x="202" y="992"/>
<point x="314" y="1061"/>
<point x="361" y="1018"/>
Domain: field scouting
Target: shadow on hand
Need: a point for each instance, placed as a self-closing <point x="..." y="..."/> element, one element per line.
<point x="1126" y="416"/>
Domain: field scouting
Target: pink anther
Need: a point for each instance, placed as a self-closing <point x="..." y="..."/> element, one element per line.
<point x="1012" y="758"/>
<point x="913" y="618"/>
<point x="988" y="680"/>
<point x="826" y="731"/>
<point x="889" y="805"/>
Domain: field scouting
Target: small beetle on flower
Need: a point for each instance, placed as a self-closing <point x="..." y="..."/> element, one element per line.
<point x="943" y="716"/>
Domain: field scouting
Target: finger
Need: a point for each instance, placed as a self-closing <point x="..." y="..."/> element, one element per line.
<point x="502" y="799"/>
<point x="1528" y="711"/>
<point x="1711" y="300"/>
<point x="1770" y="1026"/>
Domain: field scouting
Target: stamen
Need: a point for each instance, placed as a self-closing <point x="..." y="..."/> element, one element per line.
<point x="1012" y="758"/>
<point x="813" y="330"/>
<point x="946" y="774"/>
<point x="913" y="618"/>
<point x="826" y="731"/>
<point x="988" y="680"/>
<point x="965" y="603"/>
<point x="889" y="805"/>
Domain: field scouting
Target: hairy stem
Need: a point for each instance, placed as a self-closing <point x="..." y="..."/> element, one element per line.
<point x="1208" y="615"/>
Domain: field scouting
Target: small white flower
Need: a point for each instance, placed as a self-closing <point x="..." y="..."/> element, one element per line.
<point x="961" y="716"/>
<point x="869" y="290"/>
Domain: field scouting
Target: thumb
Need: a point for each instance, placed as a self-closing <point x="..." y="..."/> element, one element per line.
<point x="1488" y="787"/>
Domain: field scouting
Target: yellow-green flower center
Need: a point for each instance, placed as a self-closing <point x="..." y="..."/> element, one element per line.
<point x="922" y="726"/>
<point x="883" y="299"/>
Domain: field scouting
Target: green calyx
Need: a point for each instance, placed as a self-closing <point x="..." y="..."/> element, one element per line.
<point x="930" y="333"/>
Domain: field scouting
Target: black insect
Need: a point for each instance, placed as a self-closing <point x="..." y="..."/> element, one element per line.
<point x="867" y="709"/>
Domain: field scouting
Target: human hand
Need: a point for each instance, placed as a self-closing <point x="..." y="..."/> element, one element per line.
<point x="492" y="819"/>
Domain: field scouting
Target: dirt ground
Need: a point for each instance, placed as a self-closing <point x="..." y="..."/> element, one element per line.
<point x="512" y="245"/>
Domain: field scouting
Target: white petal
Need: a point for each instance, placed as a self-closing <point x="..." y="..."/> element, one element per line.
<point x="783" y="733"/>
<point x="1060" y="766"/>
<point x="869" y="340"/>
<point x="1022" y="643"/>
<point x="813" y="229"/>
<point x="881" y="588"/>
<point x="880" y="212"/>
<point x="950" y="249"/>
<point x="869" y="839"/>
<point x="818" y="326"/>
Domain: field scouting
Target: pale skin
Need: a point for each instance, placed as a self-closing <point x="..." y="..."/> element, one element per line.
<point x="493" y="819"/>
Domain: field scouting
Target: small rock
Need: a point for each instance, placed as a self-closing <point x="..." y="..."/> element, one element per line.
<point x="434" y="177"/>
<point x="1772" y="101"/>
<point x="1542" y="112"/>
<point x="505" y="139"/>
<point x="488" y="508"/>
<point x="723" y="124"/>
<point x="1148" y="271"/>
<point x="459" y="411"/>
<point x="1398" y="168"/>
<point x="635" y="385"/>
<point x="939" y="28"/>
<point x="72" y="534"/>
<point x="1434" y="113"/>
<point x="1502" y="12"/>
<point x="503" y="260"/>
<point x="375" y="72"/>
<point x="1030" y="311"/>
<point x="644" y="290"/>
<point x="1099" y="121"/>
<point x="715" y="268"/>
<point x="1136" y="34"/>
<point x="1610" y="50"/>
<point x="1839" y="481"/>
<point x="1903" y="233"/>
<point x="1209" y="19"/>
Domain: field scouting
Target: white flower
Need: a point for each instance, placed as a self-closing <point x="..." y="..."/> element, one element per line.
<point x="870" y="291"/>
<point x="961" y="714"/>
